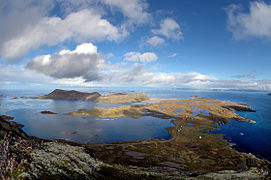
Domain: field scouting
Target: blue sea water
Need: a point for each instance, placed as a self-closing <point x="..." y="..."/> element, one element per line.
<point x="248" y="137"/>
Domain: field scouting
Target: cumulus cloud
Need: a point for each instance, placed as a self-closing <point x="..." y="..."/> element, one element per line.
<point x="85" y="66"/>
<point x="134" y="75"/>
<point x="136" y="10"/>
<point x="82" y="25"/>
<point x="170" y="29"/>
<point x="28" y="25"/>
<point x="255" y="23"/>
<point x="146" y="57"/>
<point x="155" y="41"/>
<point x="84" y="62"/>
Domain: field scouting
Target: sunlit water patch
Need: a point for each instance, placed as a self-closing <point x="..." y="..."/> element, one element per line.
<point x="85" y="129"/>
<point x="90" y="129"/>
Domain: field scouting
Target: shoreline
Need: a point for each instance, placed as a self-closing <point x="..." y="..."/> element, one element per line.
<point x="187" y="142"/>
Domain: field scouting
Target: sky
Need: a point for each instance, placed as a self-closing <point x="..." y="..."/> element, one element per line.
<point x="209" y="44"/>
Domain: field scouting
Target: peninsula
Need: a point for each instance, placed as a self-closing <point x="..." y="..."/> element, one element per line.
<point x="192" y="152"/>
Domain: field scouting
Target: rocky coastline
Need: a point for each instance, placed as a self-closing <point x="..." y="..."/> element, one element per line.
<point x="191" y="153"/>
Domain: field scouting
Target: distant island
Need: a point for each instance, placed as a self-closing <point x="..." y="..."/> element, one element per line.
<point x="191" y="152"/>
<point x="68" y="95"/>
<point x="59" y="94"/>
<point x="47" y="112"/>
<point x="269" y="94"/>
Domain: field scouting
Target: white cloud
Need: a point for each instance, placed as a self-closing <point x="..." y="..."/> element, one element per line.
<point x="170" y="29"/>
<point x="155" y="41"/>
<point x="172" y="55"/>
<point x="85" y="66"/>
<point x="30" y="24"/>
<point x="255" y="23"/>
<point x="136" y="10"/>
<point x="14" y="76"/>
<point x="146" y="57"/>
<point x="82" y="25"/>
<point x="252" y="76"/>
<point x="84" y="62"/>
<point x="134" y="75"/>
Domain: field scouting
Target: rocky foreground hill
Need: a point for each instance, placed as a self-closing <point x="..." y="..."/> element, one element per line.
<point x="25" y="157"/>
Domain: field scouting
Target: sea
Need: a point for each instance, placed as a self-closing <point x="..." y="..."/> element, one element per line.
<point x="254" y="138"/>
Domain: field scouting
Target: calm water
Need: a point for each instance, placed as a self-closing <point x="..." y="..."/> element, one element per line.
<point x="251" y="138"/>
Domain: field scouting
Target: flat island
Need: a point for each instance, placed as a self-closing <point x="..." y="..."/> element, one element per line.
<point x="191" y="152"/>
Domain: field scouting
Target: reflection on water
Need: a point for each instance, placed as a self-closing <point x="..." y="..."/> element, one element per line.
<point x="252" y="138"/>
<point x="91" y="129"/>
<point x="87" y="129"/>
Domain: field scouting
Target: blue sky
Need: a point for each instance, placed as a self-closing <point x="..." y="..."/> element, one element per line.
<point x="176" y="43"/>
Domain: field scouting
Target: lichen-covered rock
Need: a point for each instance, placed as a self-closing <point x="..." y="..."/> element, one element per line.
<point x="253" y="173"/>
<point x="57" y="160"/>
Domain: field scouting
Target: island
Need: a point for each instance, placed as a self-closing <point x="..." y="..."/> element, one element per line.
<point x="47" y="112"/>
<point x="68" y="95"/>
<point x="192" y="152"/>
<point x="59" y="94"/>
<point x="269" y="94"/>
